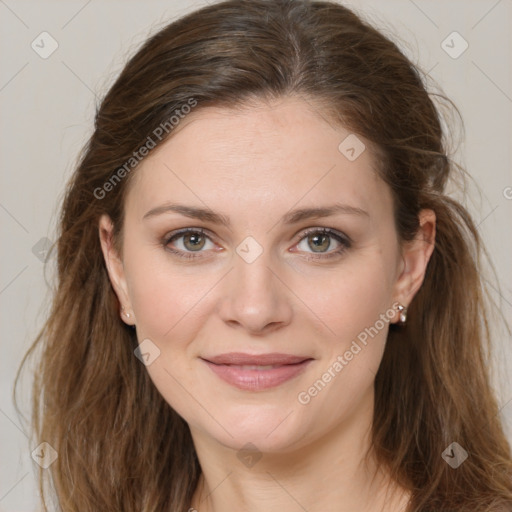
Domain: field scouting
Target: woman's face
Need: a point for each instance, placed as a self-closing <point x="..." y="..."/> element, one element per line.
<point x="308" y="311"/>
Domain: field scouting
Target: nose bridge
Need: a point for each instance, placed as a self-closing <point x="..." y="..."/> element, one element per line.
<point x="253" y="296"/>
<point x="252" y="279"/>
<point x="253" y="276"/>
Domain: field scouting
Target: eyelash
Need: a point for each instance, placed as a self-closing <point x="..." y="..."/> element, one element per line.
<point x="344" y="240"/>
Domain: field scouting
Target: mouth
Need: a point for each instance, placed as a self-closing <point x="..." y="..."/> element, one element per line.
<point x="257" y="372"/>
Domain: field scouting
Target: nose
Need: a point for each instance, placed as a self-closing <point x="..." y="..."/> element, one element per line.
<point x="255" y="297"/>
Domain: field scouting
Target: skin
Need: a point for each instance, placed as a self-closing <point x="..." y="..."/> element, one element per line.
<point x="253" y="166"/>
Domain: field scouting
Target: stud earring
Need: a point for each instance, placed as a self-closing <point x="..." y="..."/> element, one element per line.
<point x="127" y="315"/>
<point x="402" y="310"/>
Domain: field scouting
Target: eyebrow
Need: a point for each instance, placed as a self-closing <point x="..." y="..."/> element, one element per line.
<point x="292" y="217"/>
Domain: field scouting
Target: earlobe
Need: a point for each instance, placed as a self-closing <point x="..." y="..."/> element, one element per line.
<point x="115" y="268"/>
<point x="415" y="257"/>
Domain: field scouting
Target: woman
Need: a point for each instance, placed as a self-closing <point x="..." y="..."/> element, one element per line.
<point x="266" y="300"/>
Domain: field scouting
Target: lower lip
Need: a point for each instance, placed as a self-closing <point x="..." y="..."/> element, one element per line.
<point x="257" y="380"/>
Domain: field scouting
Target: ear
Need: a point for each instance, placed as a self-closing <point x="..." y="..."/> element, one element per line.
<point x="415" y="257"/>
<point x="115" y="269"/>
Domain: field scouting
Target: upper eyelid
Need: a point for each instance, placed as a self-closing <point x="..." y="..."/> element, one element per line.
<point x="181" y="232"/>
<point x="327" y="231"/>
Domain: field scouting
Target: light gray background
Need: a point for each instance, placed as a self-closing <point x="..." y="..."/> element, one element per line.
<point x="47" y="109"/>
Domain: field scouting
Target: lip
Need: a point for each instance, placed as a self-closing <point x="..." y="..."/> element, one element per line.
<point x="238" y="369"/>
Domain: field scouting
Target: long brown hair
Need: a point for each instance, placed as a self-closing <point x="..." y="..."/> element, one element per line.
<point x="120" y="446"/>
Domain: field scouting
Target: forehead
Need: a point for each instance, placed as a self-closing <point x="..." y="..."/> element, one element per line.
<point x="262" y="155"/>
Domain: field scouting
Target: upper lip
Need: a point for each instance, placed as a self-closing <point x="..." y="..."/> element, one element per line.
<point x="239" y="358"/>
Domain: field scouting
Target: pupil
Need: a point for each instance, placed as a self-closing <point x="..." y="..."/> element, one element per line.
<point x="317" y="237"/>
<point x="193" y="239"/>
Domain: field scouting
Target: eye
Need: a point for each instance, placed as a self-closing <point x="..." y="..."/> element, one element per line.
<point x="320" y="240"/>
<point x="186" y="242"/>
<point x="190" y="241"/>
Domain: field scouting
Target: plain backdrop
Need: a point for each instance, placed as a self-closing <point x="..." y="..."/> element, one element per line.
<point x="47" y="108"/>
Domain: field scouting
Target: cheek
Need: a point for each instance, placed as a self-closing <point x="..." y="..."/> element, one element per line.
<point x="347" y="298"/>
<point x="167" y="303"/>
<point x="165" y="297"/>
<point x="354" y="303"/>
<point x="357" y="307"/>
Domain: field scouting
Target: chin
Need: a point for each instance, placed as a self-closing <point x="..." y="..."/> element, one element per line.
<point x="270" y="428"/>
